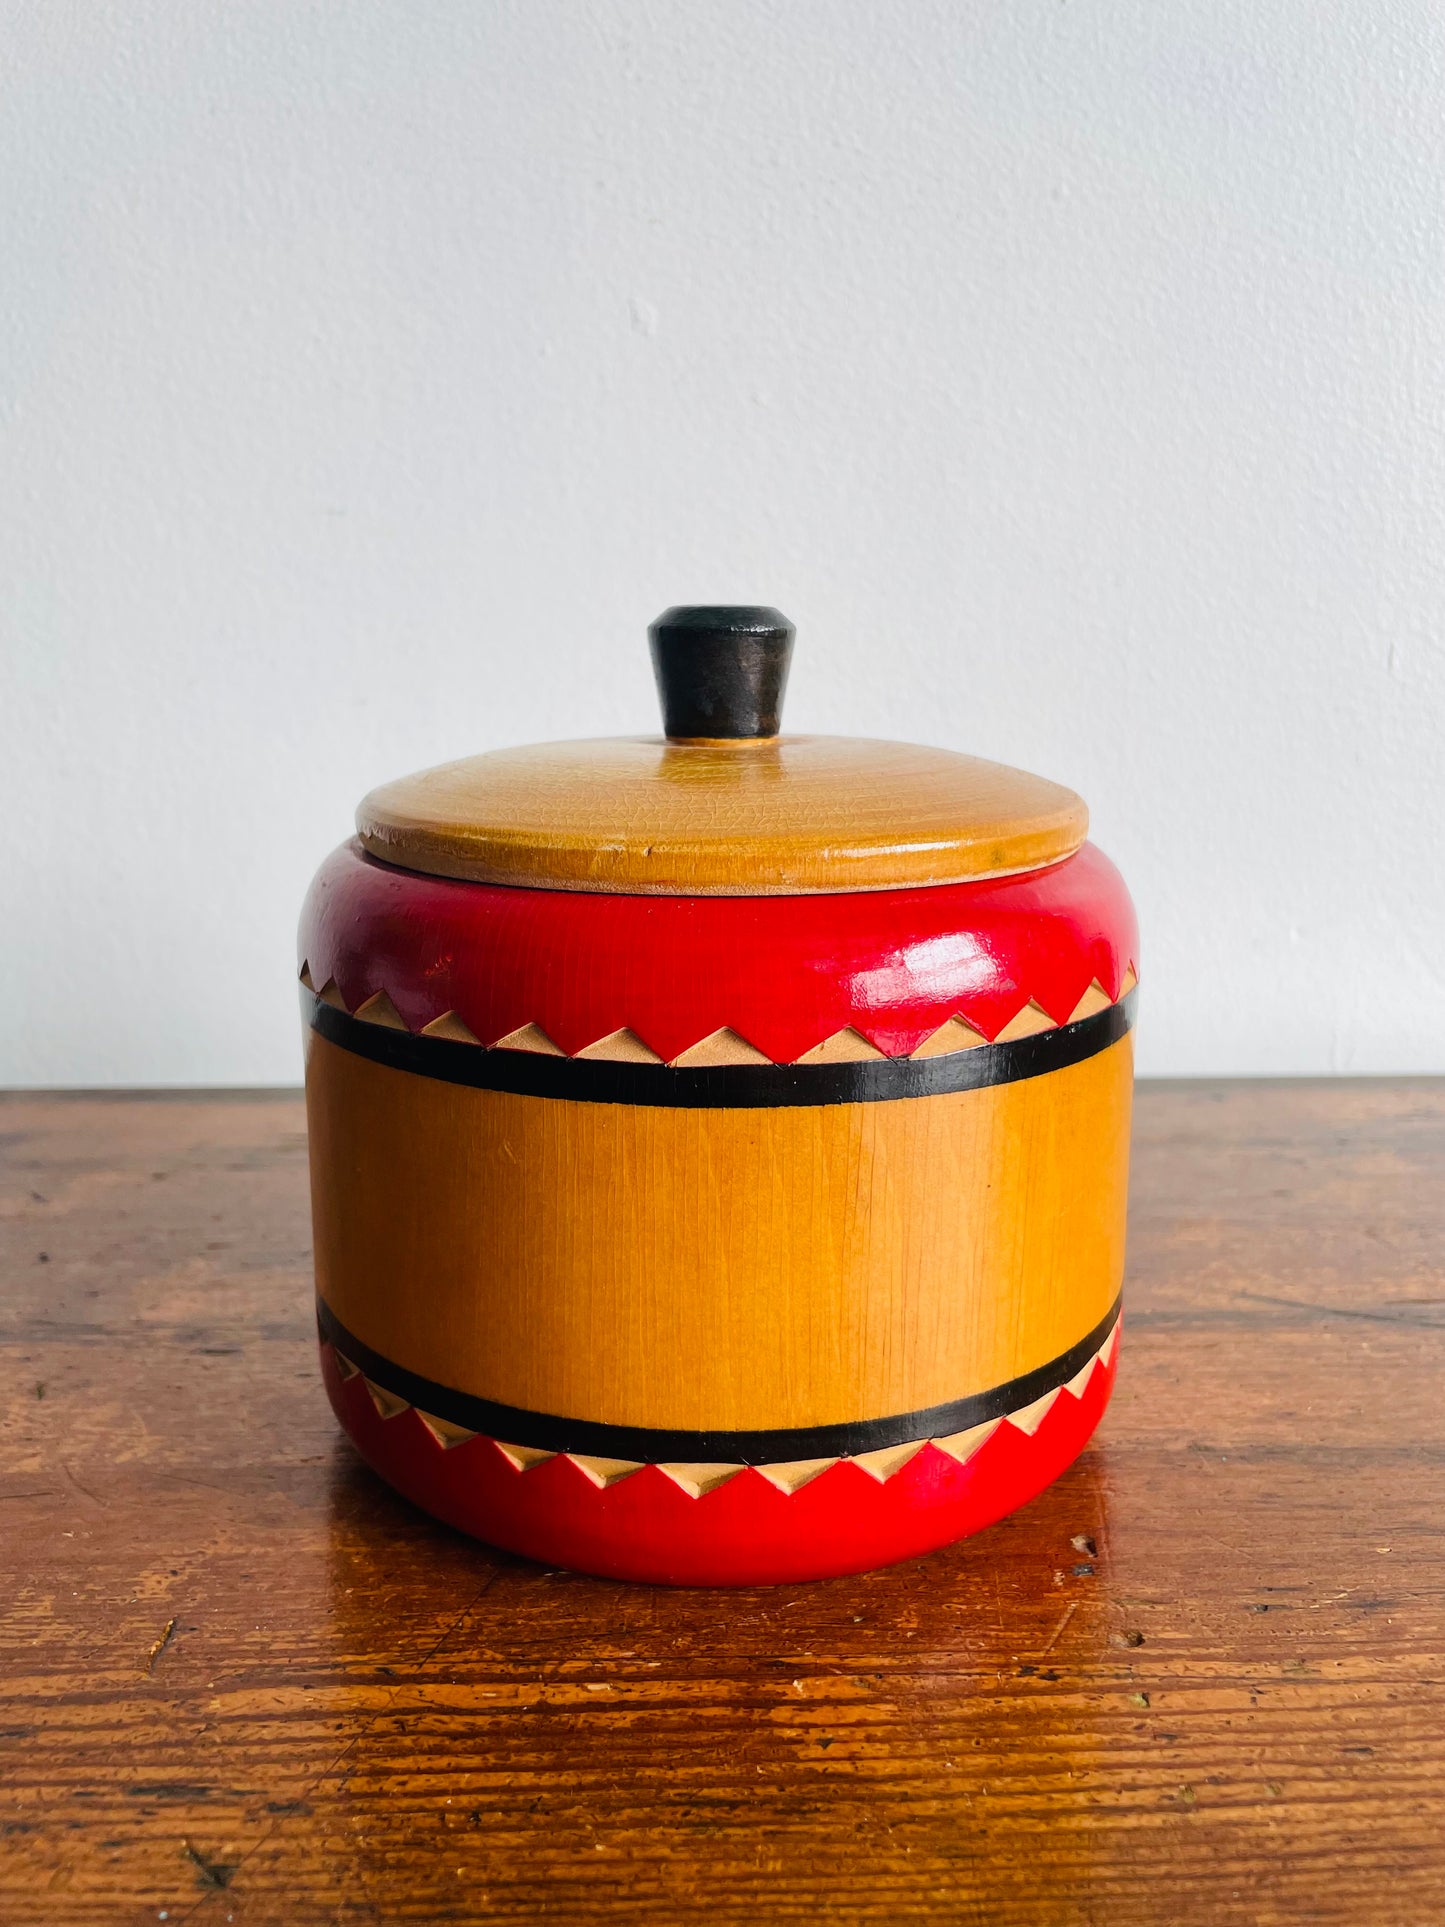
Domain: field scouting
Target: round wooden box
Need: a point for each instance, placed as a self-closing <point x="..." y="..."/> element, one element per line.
<point x="719" y="1142"/>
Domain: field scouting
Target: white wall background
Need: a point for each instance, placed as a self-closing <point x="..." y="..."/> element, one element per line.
<point x="1070" y="373"/>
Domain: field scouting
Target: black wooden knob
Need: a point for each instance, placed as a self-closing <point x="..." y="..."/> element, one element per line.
<point x="721" y="671"/>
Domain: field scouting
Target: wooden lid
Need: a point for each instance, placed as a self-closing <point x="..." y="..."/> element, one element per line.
<point x="723" y="805"/>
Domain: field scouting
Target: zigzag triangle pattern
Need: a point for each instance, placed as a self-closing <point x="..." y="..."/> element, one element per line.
<point x="725" y="1046"/>
<point x="788" y="1477"/>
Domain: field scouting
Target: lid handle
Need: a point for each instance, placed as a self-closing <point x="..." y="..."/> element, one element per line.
<point x="721" y="672"/>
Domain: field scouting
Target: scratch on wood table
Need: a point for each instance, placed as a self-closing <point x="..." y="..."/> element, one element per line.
<point x="1200" y="1680"/>
<point x="1053" y="1638"/>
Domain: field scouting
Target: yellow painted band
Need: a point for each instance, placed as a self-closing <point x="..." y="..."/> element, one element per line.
<point x="718" y="1269"/>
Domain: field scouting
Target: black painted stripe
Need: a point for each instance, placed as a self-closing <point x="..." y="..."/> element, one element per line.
<point x="723" y="1086"/>
<point x="548" y="1433"/>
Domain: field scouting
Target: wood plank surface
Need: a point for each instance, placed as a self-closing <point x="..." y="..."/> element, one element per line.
<point x="1200" y="1680"/>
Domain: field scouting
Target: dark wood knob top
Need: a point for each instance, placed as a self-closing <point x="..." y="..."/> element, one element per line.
<point x="721" y="671"/>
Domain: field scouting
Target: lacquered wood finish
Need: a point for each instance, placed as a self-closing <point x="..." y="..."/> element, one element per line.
<point x="722" y="1072"/>
<point x="721" y="671"/>
<point x="705" y="1524"/>
<point x="1199" y="1681"/>
<point x="659" y="1164"/>
<point x="785" y="1457"/>
<point x="739" y="1269"/>
<point x="789" y="815"/>
<point x="533" y="968"/>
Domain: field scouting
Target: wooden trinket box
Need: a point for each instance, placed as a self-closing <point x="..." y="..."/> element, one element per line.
<point x="719" y="1141"/>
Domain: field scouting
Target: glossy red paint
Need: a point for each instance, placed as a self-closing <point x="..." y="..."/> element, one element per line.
<point x="746" y="1532"/>
<point x="783" y="972"/>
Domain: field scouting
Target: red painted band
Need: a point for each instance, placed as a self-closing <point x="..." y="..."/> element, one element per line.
<point x="783" y="972"/>
<point x="746" y="1532"/>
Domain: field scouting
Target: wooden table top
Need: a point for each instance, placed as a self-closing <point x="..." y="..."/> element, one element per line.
<point x="1202" y="1679"/>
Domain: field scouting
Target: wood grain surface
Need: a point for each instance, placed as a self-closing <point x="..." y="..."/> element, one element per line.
<point x="741" y="1269"/>
<point x="1202" y="1679"/>
<point x="785" y="816"/>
